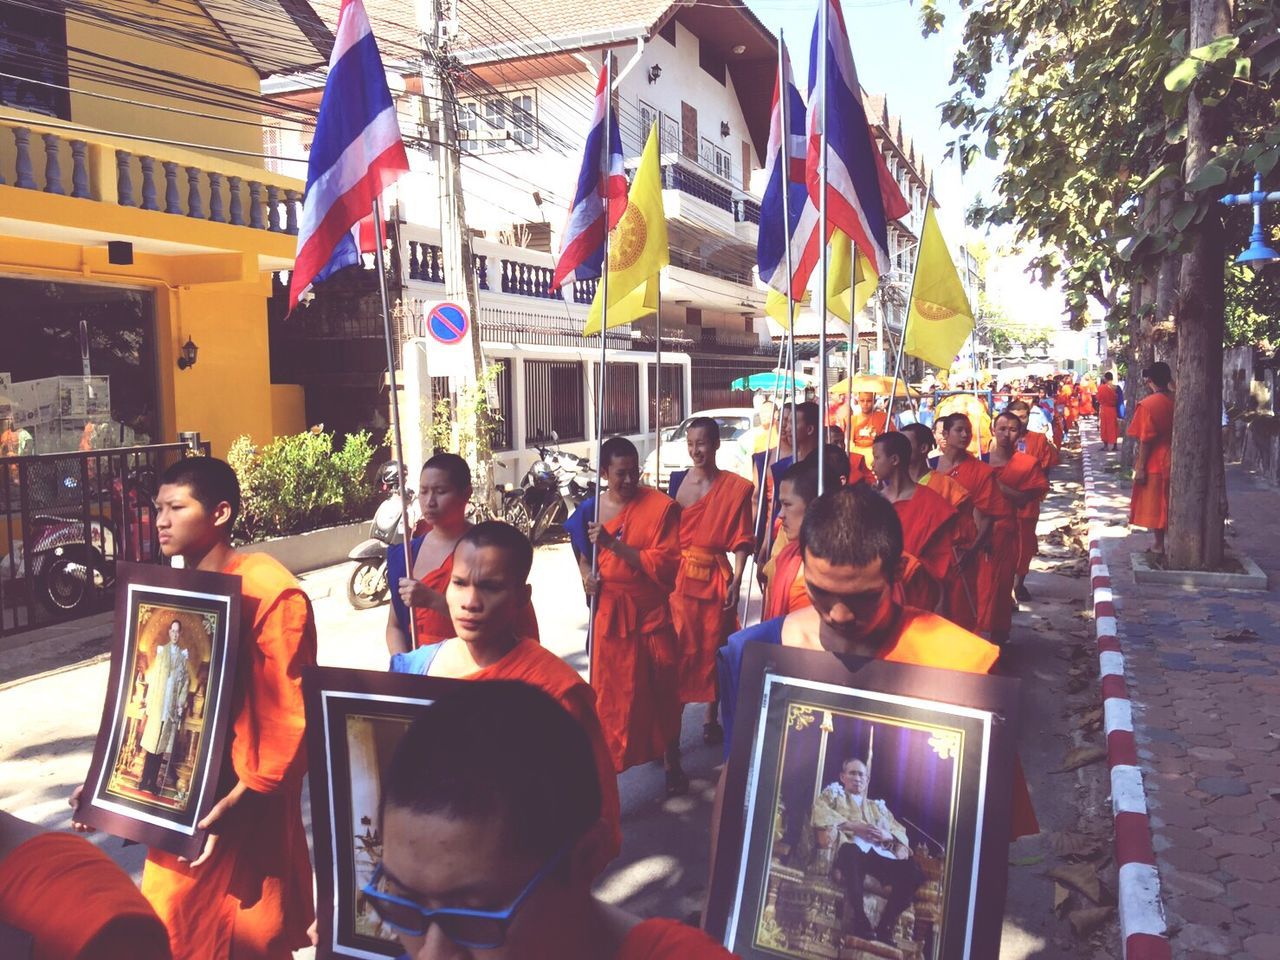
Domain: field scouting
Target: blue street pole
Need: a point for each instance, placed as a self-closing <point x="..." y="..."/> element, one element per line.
<point x="1258" y="250"/>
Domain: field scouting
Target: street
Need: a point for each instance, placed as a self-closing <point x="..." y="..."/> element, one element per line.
<point x="52" y="715"/>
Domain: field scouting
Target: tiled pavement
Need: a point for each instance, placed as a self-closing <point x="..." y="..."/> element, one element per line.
<point x="1204" y="675"/>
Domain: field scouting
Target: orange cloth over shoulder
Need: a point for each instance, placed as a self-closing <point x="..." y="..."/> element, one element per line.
<point x="720" y="523"/>
<point x="634" y="660"/>
<point x="980" y="480"/>
<point x="860" y="469"/>
<point x="253" y="899"/>
<point x="1152" y="424"/>
<point x="1038" y="446"/>
<point x="928" y="640"/>
<point x="787" y="591"/>
<point x="1108" y="413"/>
<point x="960" y="593"/>
<point x="1009" y="536"/>
<point x="434" y="626"/>
<point x="660" y="939"/>
<point x="528" y="662"/>
<point x="863" y="430"/>
<point x="928" y="534"/>
<point x="76" y="903"/>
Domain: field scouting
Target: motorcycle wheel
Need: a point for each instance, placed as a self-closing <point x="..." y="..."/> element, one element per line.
<point x="517" y="514"/>
<point x="62" y="583"/>
<point x="542" y="523"/>
<point x="367" y="587"/>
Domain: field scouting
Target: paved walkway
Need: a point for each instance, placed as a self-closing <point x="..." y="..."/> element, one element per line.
<point x="1203" y="668"/>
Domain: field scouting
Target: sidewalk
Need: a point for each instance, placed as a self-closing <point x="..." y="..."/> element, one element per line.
<point x="1202" y="668"/>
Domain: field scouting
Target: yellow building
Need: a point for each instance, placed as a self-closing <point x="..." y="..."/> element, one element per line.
<point x="136" y="217"/>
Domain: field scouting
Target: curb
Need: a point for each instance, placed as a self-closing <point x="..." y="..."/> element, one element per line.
<point x="1143" y="931"/>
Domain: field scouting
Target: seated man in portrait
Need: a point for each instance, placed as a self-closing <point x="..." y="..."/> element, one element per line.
<point x="868" y="840"/>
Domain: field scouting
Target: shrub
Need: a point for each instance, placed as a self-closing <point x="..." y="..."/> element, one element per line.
<point x="300" y="483"/>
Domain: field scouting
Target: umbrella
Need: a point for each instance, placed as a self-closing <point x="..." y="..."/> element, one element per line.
<point x="869" y="383"/>
<point x="772" y="380"/>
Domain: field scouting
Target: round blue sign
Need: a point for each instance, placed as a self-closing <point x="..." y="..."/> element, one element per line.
<point x="447" y="323"/>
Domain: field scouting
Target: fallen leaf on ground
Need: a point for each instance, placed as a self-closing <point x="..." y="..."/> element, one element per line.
<point x="1076" y="684"/>
<point x="1060" y="894"/>
<point x="1068" y="843"/>
<point x="1079" y="876"/>
<point x="1078" y="757"/>
<point x="1088" y="919"/>
<point x="1026" y="861"/>
<point x="1240" y="636"/>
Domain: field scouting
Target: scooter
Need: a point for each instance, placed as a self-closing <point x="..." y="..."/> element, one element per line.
<point x="367" y="586"/>
<point x="549" y="493"/>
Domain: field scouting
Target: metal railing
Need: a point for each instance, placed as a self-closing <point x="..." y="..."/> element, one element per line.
<point x="66" y="520"/>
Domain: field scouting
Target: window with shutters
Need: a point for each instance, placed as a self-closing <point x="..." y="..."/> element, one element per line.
<point x="621" y="398"/>
<point x="688" y="131"/>
<point x="500" y="122"/>
<point x="553" y="395"/>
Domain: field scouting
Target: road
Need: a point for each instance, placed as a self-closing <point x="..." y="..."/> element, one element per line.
<point x="51" y="716"/>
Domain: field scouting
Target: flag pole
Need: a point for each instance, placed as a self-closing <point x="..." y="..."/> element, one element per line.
<point x="823" y="56"/>
<point x="604" y="359"/>
<point x="784" y="91"/>
<point x="902" y="334"/>
<point x="775" y="416"/>
<point x="396" y="437"/>
<point x="657" y="395"/>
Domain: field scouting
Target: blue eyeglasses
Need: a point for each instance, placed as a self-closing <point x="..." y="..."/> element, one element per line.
<point x="481" y="929"/>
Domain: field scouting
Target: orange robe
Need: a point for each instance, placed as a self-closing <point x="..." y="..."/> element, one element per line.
<point x="76" y="903"/>
<point x="252" y="899"/>
<point x="1152" y="424"/>
<point x="718" y="524"/>
<point x="634" y="661"/>
<point x="863" y="430"/>
<point x="787" y="591"/>
<point x="1065" y="403"/>
<point x="434" y="626"/>
<point x="1002" y="548"/>
<point x="1046" y="454"/>
<point x="535" y="665"/>
<point x="1038" y="445"/>
<point x="860" y="468"/>
<point x="976" y="410"/>
<point x="1108" y="414"/>
<point x="928" y="534"/>
<point x="1084" y="401"/>
<point x="960" y="592"/>
<point x="1015" y="534"/>
<point x="660" y="939"/>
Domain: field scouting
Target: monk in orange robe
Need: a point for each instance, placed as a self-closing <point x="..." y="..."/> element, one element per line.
<point x="1152" y="426"/>
<point x="443" y="494"/>
<point x="634" y="652"/>
<point x="858" y="613"/>
<point x="867" y="424"/>
<point x="73" y="901"/>
<point x="1035" y="445"/>
<point x="1065" y="403"/>
<point x="973" y="407"/>
<point x="491" y="798"/>
<point x="715" y="520"/>
<point x="248" y="894"/>
<point x="487" y="590"/>
<point x="989" y="504"/>
<point x="1084" y="397"/>
<point x="1013" y="541"/>
<point x="960" y="591"/>
<point x="786" y="592"/>
<point x="1108" y="412"/>
<point x="928" y="522"/>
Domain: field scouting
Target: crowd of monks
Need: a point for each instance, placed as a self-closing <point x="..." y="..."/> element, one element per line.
<point x="907" y="545"/>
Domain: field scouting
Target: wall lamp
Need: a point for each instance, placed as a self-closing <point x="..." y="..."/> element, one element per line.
<point x="654" y="73"/>
<point x="188" y="358"/>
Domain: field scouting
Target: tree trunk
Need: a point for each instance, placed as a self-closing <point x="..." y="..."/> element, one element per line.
<point x="1159" y="345"/>
<point x="1196" y="500"/>
<point x="1139" y="345"/>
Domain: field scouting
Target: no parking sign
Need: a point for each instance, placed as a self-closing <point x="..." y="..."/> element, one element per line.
<point x="446" y="329"/>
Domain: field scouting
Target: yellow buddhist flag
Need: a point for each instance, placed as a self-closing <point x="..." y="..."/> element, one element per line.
<point x="940" y="318"/>
<point x="637" y="248"/>
<point x="850" y="280"/>
<point x="775" y="306"/>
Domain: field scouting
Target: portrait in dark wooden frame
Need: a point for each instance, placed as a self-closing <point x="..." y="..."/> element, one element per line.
<point x="971" y="715"/>
<point x="376" y="708"/>
<point x="180" y="699"/>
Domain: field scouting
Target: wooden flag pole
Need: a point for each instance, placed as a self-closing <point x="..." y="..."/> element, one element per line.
<point x="396" y="437"/>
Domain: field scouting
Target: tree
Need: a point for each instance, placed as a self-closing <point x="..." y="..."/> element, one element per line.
<point x="1118" y="126"/>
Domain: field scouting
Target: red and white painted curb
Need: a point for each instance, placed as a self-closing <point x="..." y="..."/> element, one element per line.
<point x="1142" y="922"/>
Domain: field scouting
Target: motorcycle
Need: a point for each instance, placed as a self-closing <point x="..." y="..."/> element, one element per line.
<point x="367" y="586"/>
<point x="549" y="492"/>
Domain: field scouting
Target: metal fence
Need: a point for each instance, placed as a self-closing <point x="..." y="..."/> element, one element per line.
<point x="66" y="520"/>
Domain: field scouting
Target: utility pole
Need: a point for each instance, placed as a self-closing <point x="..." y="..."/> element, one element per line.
<point x="460" y="285"/>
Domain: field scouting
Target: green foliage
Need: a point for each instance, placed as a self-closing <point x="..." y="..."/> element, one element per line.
<point x="1251" y="318"/>
<point x="470" y="429"/>
<point x="300" y="483"/>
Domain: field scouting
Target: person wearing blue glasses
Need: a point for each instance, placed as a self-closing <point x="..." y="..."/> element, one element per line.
<point x="490" y="822"/>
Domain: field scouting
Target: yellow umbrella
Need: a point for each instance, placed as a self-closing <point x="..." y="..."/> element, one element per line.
<point x="870" y="383"/>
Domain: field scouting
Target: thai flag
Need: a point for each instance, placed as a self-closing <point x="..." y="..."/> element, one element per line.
<point x="357" y="153"/>
<point x="862" y="196"/>
<point x="802" y="230"/>
<point x="602" y="175"/>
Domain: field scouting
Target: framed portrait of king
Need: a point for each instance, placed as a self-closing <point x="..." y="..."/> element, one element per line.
<point x="866" y="811"/>
<point x="167" y="712"/>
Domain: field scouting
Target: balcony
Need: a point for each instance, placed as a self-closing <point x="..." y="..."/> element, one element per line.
<point x="703" y="204"/>
<point x="58" y="180"/>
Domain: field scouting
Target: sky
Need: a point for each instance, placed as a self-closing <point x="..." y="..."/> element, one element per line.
<point x="914" y="73"/>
